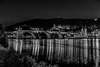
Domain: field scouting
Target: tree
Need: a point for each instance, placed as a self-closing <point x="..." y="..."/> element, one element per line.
<point x="3" y="40"/>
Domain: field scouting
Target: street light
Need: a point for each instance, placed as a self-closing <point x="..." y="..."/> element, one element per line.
<point x="95" y="19"/>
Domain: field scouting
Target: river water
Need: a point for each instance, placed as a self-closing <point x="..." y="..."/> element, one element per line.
<point x="64" y="50"/>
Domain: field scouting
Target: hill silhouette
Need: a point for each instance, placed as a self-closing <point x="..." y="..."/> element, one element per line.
<point x="48" y="23"/>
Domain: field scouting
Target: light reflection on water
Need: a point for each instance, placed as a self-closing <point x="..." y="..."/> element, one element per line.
<point x="68" y="50"/>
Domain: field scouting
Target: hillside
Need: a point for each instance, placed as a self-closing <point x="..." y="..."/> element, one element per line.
<point x="48" y="23"/>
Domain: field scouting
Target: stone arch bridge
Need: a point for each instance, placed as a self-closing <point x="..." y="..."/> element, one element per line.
<point x="41" y="34"/>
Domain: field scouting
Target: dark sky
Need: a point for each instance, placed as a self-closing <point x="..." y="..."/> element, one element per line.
<point x="13" y="11"/>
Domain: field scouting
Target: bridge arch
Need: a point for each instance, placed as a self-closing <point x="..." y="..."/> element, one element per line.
<point x="59" y="35"/>
<point x="44" y="35"/>
<point x="25" y="34"/>
<point x="56" y="35"/>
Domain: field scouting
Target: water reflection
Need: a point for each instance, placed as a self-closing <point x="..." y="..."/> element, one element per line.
<point x="67" y="50"/>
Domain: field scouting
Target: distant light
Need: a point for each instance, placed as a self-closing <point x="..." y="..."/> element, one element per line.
<point x="95" y="19"/>
<point x="58" y="16"/>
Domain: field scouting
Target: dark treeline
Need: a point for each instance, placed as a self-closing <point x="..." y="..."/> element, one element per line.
<point x="3" y="41"/>
<point x="48" y="23"/>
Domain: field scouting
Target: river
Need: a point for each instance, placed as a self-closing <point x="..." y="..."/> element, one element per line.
<point x="64" y="50"/>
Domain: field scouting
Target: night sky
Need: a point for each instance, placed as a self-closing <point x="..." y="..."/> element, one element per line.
<point x="13" y="11"/>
